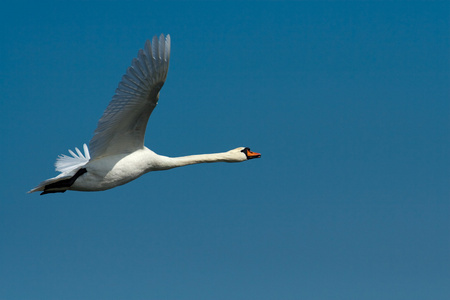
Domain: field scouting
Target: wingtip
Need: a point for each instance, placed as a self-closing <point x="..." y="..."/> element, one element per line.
<point x="36" y="189"/>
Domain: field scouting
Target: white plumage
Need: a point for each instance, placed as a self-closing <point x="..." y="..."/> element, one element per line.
<point x="116" y="153"/>
<point x="66" y="164"/>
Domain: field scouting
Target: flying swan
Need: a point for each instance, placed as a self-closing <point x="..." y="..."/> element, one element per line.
<point x="116" y="153"/>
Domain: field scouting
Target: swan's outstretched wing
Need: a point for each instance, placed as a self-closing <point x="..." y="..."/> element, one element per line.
<point x="121" y="129"/>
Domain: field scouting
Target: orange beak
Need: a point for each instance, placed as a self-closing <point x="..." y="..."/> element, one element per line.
<point x="251" y="154"/>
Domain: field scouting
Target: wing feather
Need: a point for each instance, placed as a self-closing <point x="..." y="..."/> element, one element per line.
<point x="121" y="129"/>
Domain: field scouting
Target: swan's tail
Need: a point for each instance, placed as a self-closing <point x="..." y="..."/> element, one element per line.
<point x="70" y="168"/>
<point x="67" y="164"/>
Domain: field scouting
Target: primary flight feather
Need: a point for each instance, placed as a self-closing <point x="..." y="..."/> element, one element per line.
<point x="116" y="153"/>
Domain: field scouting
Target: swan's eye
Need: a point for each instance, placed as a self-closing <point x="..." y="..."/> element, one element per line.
<point x="245" y="150"/>
<point x="250" y="154"/>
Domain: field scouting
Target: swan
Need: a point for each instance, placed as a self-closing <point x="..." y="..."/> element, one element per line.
<point x="116" y="153"/>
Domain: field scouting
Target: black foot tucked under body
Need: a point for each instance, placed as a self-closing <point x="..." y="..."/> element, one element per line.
<point x="66" y="183"/>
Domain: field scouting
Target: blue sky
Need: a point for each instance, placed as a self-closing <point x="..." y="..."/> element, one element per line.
<point x="348" y="102"/>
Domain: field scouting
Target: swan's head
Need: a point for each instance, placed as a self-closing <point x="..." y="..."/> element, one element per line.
<point x="242" y="154"/>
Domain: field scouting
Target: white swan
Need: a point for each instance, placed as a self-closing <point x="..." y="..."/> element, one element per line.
<point x="117" y="152"/>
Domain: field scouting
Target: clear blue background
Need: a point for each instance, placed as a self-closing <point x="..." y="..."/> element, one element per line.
<point x="348" y="102"/>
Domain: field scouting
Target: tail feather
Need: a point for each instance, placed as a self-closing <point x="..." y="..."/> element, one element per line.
<point x="43" y="184"/>
<point x="68" y="166"/>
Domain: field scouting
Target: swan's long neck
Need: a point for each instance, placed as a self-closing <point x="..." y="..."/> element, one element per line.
<point x="165" y="162"/>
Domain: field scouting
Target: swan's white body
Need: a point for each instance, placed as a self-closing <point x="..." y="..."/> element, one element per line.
<point x="115" y="170"/>
<point x="117" y="153"/>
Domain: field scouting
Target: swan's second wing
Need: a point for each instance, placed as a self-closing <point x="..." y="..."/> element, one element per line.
<point x="121" y="129"/>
